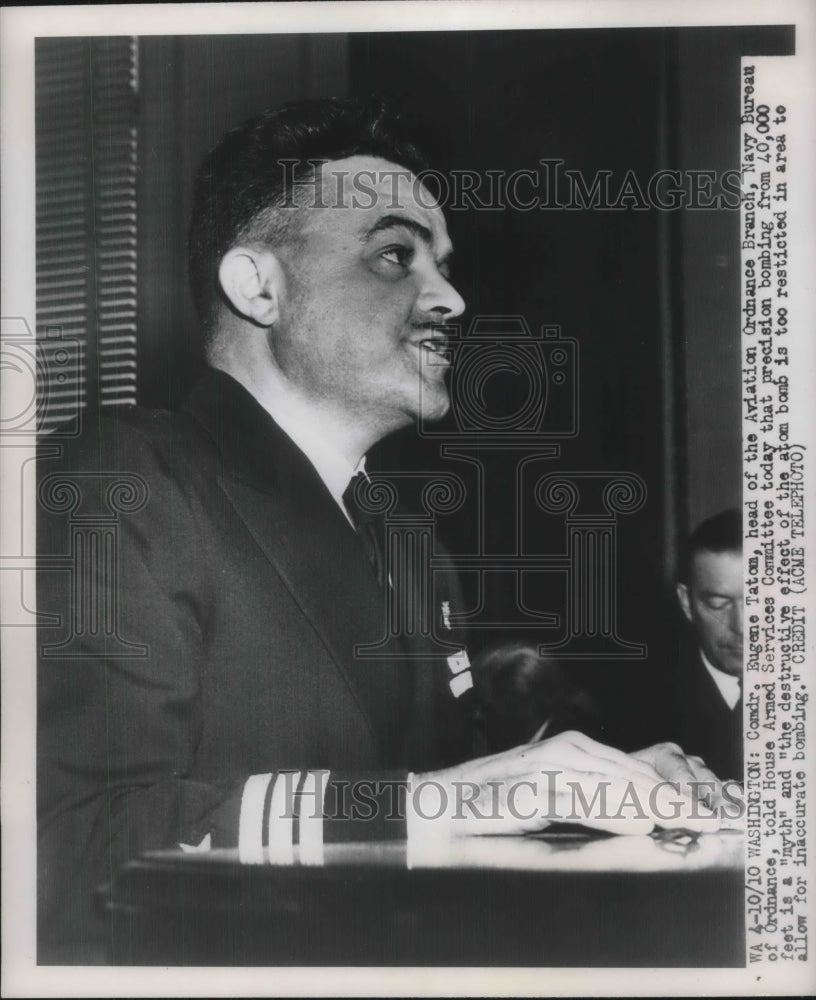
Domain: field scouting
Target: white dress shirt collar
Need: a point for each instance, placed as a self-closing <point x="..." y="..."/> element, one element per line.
<point x="727" y="684"/>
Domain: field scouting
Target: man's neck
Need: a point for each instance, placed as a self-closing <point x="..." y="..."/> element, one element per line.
<point x="277" y="395"/>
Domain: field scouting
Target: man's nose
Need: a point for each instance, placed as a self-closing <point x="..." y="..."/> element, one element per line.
<point x="439" y="296"/>
<point x="735" y="619"/>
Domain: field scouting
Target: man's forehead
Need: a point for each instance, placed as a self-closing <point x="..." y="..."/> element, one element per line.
<point x="717" y="570"/>
<point x="372" y="188"/>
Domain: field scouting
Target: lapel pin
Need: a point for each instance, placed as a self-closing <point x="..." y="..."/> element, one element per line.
<point x="461" y="683"/>
<point x="459" y="661"/>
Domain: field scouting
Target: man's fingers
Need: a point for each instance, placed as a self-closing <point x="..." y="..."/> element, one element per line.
<point x="671" y="763"/>
<point x="706" y="785"/>
<point x="572" y="778"/>
<point x="622" y="805"/>
<point x="574" y="748"/>
<point x="667" y="787"/>
<point x="625" y="807"/>
<point x="675" y="809"/>
<point x="701" y="770"/>
<point x="658" y="752"/>
<point x="697" y="783"/>
<point x="604" y="752"/>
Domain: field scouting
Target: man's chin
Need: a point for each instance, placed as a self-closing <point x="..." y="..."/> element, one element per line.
<point x="434" y="404"/>
<point x="731" y="663"/>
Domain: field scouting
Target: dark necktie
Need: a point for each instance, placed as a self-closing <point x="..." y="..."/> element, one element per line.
<point x="370" y="527"/>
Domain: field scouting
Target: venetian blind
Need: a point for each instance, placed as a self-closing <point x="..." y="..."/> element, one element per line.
<point x="86" y="95"/>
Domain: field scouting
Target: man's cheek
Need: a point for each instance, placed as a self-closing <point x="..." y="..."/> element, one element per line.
<point x="384" y="323"/>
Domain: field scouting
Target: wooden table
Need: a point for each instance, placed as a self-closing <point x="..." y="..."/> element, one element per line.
<point x="550" y="900"/>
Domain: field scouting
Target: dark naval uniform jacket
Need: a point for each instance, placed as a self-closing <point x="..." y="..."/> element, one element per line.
<point x="202" y="596"/>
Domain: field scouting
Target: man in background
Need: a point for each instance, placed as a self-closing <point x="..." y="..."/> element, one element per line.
<point x="707" y="690"/>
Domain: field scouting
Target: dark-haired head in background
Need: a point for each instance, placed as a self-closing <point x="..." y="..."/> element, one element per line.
<point x="523" y="696"/>
<point x="707" y="695"/>
<point x="710" y="589"/>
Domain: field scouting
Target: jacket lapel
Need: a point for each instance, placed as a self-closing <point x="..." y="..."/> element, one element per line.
<point x="442" y="736"/>
<point x="296" y="522"/>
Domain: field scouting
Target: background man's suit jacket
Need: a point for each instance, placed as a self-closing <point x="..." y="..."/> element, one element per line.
<point x="701" y="721"/>
<point x="248" y="591"/>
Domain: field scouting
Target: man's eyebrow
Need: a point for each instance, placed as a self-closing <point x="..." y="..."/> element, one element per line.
<point x="404" y="222"/>
<point x="392" y="221"/>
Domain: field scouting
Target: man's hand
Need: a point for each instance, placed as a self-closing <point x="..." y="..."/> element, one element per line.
<point x="568" y="778"/>
<point x="723" y="798"/>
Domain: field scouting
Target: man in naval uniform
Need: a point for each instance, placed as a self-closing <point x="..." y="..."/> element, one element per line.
<point x="223" y="701"/>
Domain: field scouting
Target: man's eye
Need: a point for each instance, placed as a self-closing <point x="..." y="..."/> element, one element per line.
<point x="397" y="255"/>
<point x="717" y="603"/>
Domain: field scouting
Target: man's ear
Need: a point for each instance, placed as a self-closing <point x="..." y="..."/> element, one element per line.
<point x="683" y="597"/>
<point x="252" y="281"/>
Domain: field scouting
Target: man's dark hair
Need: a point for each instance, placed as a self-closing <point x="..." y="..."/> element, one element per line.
<point x="518" y="689"/>
<point x="720" y="533"/>
<point x="247" y="178"/>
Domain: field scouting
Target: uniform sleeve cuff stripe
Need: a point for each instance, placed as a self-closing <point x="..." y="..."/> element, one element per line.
<point x="281" y="826"/>
<point x="311" y="817"/>
<point x="250" y="822"/>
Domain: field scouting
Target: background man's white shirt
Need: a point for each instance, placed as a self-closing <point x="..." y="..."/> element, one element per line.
<point x="727" y="684"/>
